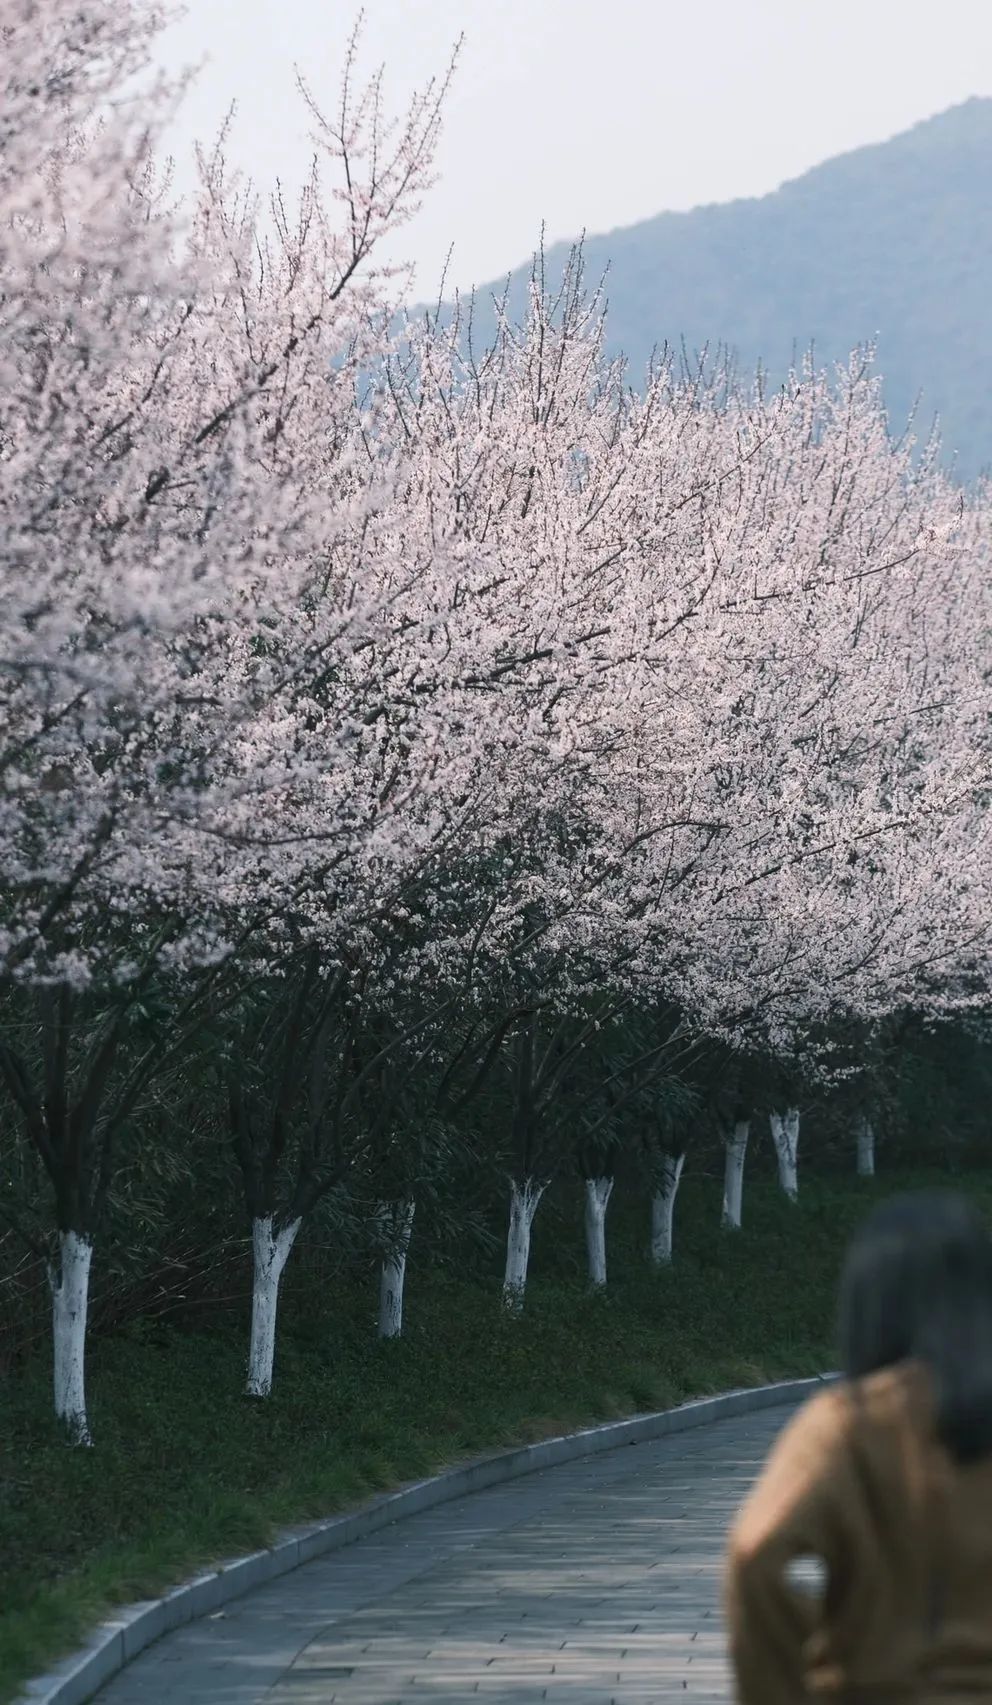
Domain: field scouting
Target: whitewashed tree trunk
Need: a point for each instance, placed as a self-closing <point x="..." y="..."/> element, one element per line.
<point x="70" y="1283"/>
<point x="866" y="1147"/>
<point x="785" y="1136"/>
<point x="733" y="1174"/>
<point x="271" y="1252"/>
<point x="397" y="1219"/>
<point x="524" y="1199"/>
<point x="663" y="1209"/>
<point x="598" y="1193"/>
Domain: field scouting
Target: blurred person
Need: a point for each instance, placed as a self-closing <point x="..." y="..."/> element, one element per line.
<point x="860" y="1567"/>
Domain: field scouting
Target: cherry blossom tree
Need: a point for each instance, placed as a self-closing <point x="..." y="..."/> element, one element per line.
<point x="787" y="732"/>
<point x="837" y="731"/>
<point x="628" y="849"/>
<point x="359" y="682"/>
<point x="170" y="436"/>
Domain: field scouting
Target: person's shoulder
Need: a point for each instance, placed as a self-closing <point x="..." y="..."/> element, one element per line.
<point x="828" y="1410"/>
<point x="832" y="1429"/>
<point x="892" y="1396"/>
<point x="843" y="1409"/>
<point x="807" y="1461"/>
<point x="822" y="1423"/>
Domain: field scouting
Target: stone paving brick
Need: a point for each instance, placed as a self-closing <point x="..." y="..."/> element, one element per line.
<point x="594" y="1583"/>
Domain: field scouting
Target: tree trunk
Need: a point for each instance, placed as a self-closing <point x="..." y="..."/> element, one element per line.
<point x="70" y="1296"/>
<point x="866" y="1147"/>
<point x="598" y="1193"/>
<point x="663" y="1209"/>
<point x="524" y="1199"/>
<point x="733" y="1174"/>
<point x="785" y="1136"/>
<point x="270" y="1251"/>
<point x="397" y="1218"/>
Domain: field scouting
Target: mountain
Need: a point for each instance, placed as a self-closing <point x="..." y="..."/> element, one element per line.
<point x="891" y="242"/>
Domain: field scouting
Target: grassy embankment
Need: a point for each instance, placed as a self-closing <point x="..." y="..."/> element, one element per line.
<point x="185" y="1470"/>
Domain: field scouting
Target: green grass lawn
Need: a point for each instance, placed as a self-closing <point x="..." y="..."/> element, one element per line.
<point x="186" y="1471"/>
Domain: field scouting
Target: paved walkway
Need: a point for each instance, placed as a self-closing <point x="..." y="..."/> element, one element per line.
<point x="596" y="1583"/>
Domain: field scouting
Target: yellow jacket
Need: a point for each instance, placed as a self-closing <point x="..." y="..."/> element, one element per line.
<point x="902" y="1537"/>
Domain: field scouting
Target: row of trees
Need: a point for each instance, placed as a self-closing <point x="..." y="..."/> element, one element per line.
<point x="384" y="718"/>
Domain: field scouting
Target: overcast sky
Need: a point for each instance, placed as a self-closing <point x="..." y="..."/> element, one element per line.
<point x="587" y="114"/>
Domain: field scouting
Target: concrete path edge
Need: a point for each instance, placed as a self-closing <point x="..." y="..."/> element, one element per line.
<point x="136" y="1626"/>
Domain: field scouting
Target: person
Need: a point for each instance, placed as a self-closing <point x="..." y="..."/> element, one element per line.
<point x="860" y="1568"/>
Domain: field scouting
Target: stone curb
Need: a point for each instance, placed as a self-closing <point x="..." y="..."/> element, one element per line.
<point x="119" y="1640"/>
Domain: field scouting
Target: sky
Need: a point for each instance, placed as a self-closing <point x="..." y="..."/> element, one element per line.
<point x="582" y="114"/>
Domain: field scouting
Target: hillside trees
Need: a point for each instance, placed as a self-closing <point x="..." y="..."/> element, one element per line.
<point x="857" y="632"/>
<point x="435" y="715"/>
<point x="159" y="488"/>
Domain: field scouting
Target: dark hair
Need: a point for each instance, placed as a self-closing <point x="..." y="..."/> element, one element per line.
<point x="917" y="1285"/>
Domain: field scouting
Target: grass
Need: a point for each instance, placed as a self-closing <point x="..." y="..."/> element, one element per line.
<point x="186" y="1471"/>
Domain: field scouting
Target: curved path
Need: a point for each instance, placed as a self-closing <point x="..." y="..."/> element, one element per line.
<point x="588" y="1584"/>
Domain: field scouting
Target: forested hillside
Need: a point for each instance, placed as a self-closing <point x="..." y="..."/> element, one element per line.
<point x="892" y="242"/>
